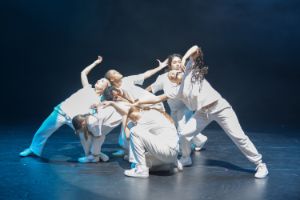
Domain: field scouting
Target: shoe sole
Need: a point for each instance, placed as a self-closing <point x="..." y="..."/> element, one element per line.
<point x="136" y="176"/>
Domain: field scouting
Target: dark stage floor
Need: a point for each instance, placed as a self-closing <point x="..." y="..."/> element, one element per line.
<point x="219" y="172"/>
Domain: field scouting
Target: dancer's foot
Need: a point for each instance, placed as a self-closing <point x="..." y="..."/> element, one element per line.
<point x="103" y="157"/>
<point x="89" y="159"/>
<point x="137" y="172"/>
<point x="198" y="146"/>
<point x="185" y="161"/>
<point x="261" y="171"/>
<point x="26" y="152"/>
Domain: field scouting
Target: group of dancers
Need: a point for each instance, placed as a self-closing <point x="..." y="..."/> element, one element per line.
<point x="151" y="138"/>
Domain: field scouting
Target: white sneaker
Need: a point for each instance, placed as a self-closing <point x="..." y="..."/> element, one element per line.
<point x="138" y="172"/>
<point x="179" y="165"/>
<point x="103" y="157"/>
<point x="185" y="161"/>
<point x="26" y="152"/>
<point x="88" y="159"/>
<point x="261" y="171"/>
<point x="199" y="146"/>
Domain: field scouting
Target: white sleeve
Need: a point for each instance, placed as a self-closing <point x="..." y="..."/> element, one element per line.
<point x="95" y="126"/>
<point x="172" y="93"/>
<point x="158" y="84"/>
<point x="135" y="79"/>
<point x="88" y="86"/>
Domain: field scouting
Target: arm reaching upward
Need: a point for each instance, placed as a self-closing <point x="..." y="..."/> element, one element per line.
<point x="151" y="72"/>
<point x="193" y="50"/>
<point x="86" y="71"/>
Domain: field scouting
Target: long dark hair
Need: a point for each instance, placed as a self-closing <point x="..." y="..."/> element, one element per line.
<point x="199" y="69"/>
<point x="77" y="124"/>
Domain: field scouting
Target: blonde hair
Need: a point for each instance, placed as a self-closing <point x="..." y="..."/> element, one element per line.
<point x="139" y="109"/>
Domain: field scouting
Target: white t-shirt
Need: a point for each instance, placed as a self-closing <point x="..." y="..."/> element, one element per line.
<point x="195" y="95"/>
<point x="80" y="102"/>
<point x="163" y="83"/>
<point x="129" y="85"/>
<point x="104" y="121"/>
<point x="157" y="124"/>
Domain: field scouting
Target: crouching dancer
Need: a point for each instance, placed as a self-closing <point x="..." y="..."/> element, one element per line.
<point x="92" y="130"/>
<point x="153" y="140"/>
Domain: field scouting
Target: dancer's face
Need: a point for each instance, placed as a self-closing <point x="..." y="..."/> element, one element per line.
<point x="116" y="93"/>
<point x="176" y="63"/>
<point x="175" y="76"/>
<point x="101" y="85"/>
<point x="114" y="75"/>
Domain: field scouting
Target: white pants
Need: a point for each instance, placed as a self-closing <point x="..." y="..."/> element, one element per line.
<point x="92" y="145"/>
<point x="159" y="151"/>
<point x="125" y="144"/>
<point x="180" y="117"/>
<point x="53" y="122"/>
<point x="228" y="120"/>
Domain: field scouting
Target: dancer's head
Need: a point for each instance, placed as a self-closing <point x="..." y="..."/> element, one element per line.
<point x="79" y="123"/>
<point x="101" y="85"/>
<point x="175" y="76"/>
<point x="111" y="93"/>
<point x="174" y="62"/>
<point x="113" y="76"/>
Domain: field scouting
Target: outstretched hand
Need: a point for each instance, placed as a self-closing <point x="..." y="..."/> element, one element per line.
<point x="164" y="63"/>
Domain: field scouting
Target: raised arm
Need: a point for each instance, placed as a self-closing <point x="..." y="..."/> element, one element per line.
<point x="193" y="50"/>
<point x="86" y="71"/>
<point x="151" y="72"/>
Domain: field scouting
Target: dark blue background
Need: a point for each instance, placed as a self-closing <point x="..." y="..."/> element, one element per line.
<point x="251" y="48"/>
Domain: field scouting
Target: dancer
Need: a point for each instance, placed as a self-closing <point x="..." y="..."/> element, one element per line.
<point x="92" y="130"/>
<point x="195" y="91"/>
<point x="129" y="89"/>
<point x="199" y="96"/>
<point x="78" y="103"/>
<point x="153" y="139"/>
<point x="179" y="112"/>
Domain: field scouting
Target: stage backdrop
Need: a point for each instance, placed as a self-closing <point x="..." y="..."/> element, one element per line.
<point x="251" y="48"/>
